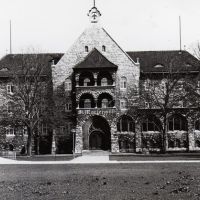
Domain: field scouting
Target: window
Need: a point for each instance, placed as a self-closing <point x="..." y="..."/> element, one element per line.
<point x="10" y="131"/>
<point x="146" y="104"/>
<point x="123" y="83"/>
<point x="197" y="125"/>
<point x="87" y="103"/>
<point x="125" y="123"/>
<point x="198" y="84"/>
<point x="68" y="85"/>
<point x="171" y="144"/>
<point x="68" y="107"/>
<point x="44" y="129"/>
<point x="149" y="125"/>
<point x="174" y="143"/>
<point x="177" y="123"/>
<point x="10" y="107"/>
<point x="10" y="89"/>
<point x="69" y="127"/>
<point x="146" y="84"/>
<point x="197" y="143"/>
<point x="123" y="104"/>
<point x="86" y="82"/>
<point x="198" y="87"/>
<point x="104" y="82"/>
<point x="178" y="143"/>
<point x="104" y="103"/>
<point x="25" y="131"/>
<point x="86" y="49"/>
<point x="103" y="48"/>
<point x="62" y="130"/>
<point x="185" y="144"/>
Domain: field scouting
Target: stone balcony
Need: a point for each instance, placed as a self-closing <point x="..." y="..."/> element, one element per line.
<point x="96" y="111"/>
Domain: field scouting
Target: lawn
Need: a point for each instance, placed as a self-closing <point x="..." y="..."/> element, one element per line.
<point x="102" y="181"/>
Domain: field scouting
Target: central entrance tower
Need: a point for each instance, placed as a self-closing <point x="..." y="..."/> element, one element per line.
<point x="96" y="75"/>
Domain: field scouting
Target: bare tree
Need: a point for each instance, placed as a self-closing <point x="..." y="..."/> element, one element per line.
<point x="165" y="91"/>
<point x="29" y="79"/>
<point x="193" y="82"/>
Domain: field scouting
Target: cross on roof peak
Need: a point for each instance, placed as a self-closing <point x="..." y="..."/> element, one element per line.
<point x="94" y="13"/>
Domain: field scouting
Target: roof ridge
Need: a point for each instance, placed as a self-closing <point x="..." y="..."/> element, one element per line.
<point x="158" y="51"/>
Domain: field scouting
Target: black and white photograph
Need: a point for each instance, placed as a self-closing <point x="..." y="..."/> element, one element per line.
<point x="99" y="100"/>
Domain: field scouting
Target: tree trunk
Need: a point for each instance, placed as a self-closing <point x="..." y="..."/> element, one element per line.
<point x="29" y="142"/>
<point x="37" y="145"/>
<point x="165" y="138"/>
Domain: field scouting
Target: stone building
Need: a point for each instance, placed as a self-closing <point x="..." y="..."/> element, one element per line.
<point x="97" y="91"/>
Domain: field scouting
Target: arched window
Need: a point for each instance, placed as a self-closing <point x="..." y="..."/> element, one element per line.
<point x="86" y="78"/>
<point x="105" y="100"/>
<point x="104" y="103"/>
<point x="123" y="104"/>
<point x="150" y="125"/>
<point x="104" y="78"/>
<point x="86" y="49"/>
<point x="177" y="123"/>
<point x="104" y="82"/>
<point x="103" y="48"/>
<point x="68" y="85"/>
<point x="87" y="103"/>
<point x="86" y="82"/>
<point x="125" y="123"/>
<point x="123" y="83"/>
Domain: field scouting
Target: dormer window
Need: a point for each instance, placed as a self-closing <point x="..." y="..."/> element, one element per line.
<point x="86" y="49"/>
<point x="103" y="48"/>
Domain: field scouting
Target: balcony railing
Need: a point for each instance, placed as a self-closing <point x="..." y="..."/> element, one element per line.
<point x="97" y="87"/>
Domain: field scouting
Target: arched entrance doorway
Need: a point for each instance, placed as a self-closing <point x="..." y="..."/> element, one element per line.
<point x="96" y="140"/>
<point x="96" y="134"/>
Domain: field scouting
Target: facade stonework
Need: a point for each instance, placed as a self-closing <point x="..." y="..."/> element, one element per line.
<point x="129" y="131"/>
<point x="103" y="98"/>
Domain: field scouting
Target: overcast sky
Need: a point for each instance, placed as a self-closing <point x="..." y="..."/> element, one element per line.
<point x="53" y="25"/>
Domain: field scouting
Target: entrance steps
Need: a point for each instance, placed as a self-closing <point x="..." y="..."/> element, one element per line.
<point x="92" y="156"/>
<point x="95" y="153"/>
<point x="91" y="159"/>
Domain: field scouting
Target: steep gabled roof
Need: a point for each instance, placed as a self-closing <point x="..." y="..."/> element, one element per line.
<point x="150" y="61"/>
<point x="162" y="61"/>
<point x="95" y="60"/>
<point x="12" y="63"/>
